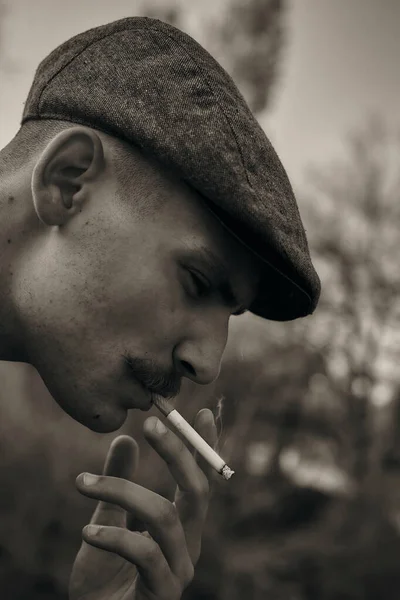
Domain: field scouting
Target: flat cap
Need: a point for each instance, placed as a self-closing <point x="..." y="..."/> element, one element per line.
<point x="150" y="84"/>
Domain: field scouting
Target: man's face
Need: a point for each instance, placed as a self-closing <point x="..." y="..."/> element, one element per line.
<point x="117" y="301"/>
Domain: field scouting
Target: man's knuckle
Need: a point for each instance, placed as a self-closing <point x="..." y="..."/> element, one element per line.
<point x="205" y="487"/>
<point x="119" y="540"/>
<point x="188" y="574"/>
<point x="114" y="535"/>
<point x="201" y="488"/>
<point x="152" y="556"/>
<point x="101" y="481"/>
<point x="180" y="446"/>
<point x="175" y="449"/>
<point x="118" y="491"/>
<point x="120" y="485"/>
<point x="105" y="484"/>
<point x="167" y="514"/>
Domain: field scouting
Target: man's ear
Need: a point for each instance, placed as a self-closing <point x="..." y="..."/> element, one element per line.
<point x="73" y="159"/>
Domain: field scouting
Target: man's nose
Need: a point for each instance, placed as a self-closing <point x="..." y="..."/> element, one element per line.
<point x="199" y="354"/>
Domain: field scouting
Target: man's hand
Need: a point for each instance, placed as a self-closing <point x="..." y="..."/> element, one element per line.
<point x="115" y="563"/>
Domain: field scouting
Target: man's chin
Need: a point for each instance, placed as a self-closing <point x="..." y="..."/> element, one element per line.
<point x="103" y="420"/>
<point x="107" y="422"/>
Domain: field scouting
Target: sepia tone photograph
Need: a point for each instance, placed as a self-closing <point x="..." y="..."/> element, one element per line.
<point x="200" y="300"/>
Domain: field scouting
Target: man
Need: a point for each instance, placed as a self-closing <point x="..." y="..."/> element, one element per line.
<point x="142" y="207"/>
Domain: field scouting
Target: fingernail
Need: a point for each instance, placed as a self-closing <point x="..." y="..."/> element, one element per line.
<point x="89" y="479"/>
<point x="92" y="529"/>
<point x="159" y="427"/>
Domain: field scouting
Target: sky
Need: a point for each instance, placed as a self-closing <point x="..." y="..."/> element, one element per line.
<point x="340" y="64"/>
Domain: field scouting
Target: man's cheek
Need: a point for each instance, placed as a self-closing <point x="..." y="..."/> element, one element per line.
<point x="159" y="322"/>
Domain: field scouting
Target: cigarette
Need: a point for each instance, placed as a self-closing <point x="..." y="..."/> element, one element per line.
<point x="193" y="437"/>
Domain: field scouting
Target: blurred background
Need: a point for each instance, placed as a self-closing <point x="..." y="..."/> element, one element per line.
<point x="310" y="410"/>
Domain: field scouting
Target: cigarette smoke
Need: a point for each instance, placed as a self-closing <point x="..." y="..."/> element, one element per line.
<point x="218" y="416"/>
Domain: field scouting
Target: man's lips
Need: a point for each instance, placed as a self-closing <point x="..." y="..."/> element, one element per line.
<point x="139" y="396"/>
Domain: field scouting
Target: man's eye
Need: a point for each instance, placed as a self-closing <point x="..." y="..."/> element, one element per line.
<point x="201" y="287"/>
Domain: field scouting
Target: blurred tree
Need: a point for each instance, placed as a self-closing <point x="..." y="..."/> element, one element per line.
<point x="354" y="230"/>
<point x="252" y="35"/>
<point x="170" y="12"/>
<point x="7" y="64"/>
<point x="392" y="454"/>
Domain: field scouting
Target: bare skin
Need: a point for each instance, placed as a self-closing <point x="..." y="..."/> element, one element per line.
<point x="158" y="563"/>
<point x="112" y="303"/>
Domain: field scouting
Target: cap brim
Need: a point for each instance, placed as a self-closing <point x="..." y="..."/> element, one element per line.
<point x="279" y="298"/>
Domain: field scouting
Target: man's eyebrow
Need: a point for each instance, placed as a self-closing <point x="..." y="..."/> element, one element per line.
<point x="218" y="268"/>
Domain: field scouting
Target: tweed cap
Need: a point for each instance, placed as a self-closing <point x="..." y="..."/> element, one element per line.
<point x="150" y="84"/>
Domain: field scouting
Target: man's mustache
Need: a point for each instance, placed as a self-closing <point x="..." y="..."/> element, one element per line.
<point x="153" y="377"/>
